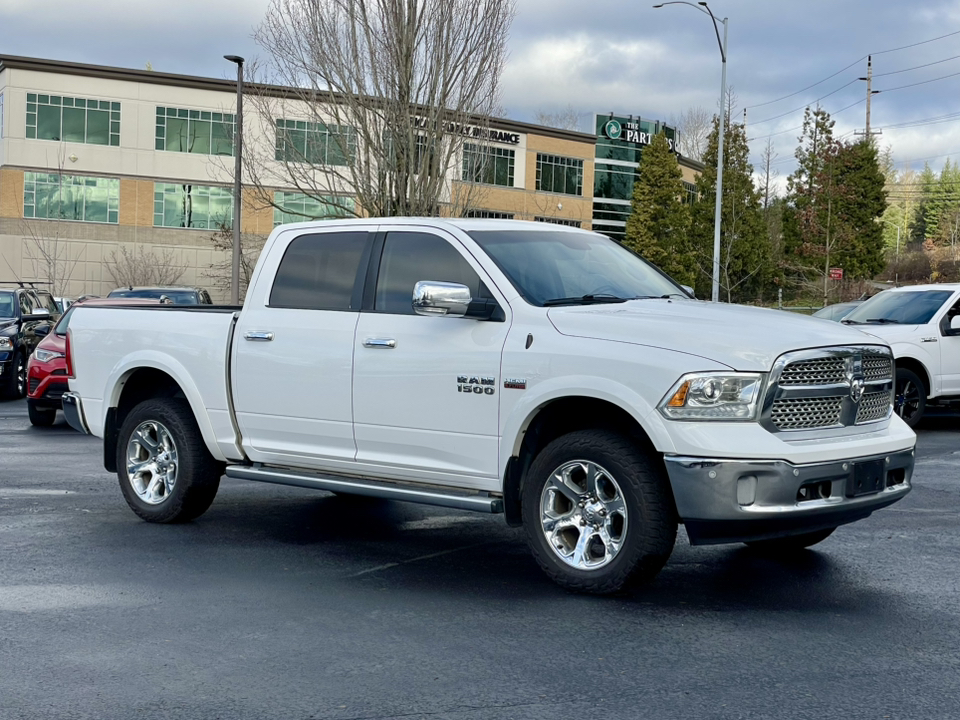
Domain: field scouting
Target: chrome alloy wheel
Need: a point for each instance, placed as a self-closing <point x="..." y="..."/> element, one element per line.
<point x="152" y="462"/>
<point x="583" y="515"/>
<point x="21" y="376"/>
<point x="907" y="400"/>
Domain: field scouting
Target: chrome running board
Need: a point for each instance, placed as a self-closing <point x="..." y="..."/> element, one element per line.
<point x="423" y="494"/>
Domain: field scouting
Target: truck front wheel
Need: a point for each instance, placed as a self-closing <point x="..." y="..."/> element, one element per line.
<point x="597" y="512"/>
<point x="166" y="473"/>
<point x="910" y="397"/>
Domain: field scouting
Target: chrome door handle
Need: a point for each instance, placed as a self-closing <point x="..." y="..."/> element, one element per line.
<point x="380" y="343"/>
<point x="258" y="336"/>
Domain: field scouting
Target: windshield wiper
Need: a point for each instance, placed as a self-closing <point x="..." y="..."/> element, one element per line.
<point x="585" y="300"/>
<point x="850" y="322"/>
<point x="884" y="321"/>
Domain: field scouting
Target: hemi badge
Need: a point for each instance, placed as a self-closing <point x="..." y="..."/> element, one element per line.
<point x="515" y="383"/>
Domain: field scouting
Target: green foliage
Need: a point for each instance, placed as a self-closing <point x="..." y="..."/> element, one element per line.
<point x="658" y="226"/>
<point x="746" y="264"/>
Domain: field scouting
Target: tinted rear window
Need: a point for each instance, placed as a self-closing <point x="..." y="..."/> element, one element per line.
<point x="320" y="272"/>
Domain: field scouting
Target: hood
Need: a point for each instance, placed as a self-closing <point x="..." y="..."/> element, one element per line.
<point x="4" y="324"/>
<point x="741" y="337"/>
<point x="53" y="342"/>
<point x="895" y="333"/>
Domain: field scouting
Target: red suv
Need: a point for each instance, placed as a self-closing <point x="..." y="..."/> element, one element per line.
<point x="47" y="366"/>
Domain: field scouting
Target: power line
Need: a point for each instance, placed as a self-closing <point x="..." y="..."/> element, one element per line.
<point x="806" y="105"/>
<point x="922" y="82"/>
<point x="800" y="127"/>
<point x="855" y="62"/>
<point x="896" y="72"/>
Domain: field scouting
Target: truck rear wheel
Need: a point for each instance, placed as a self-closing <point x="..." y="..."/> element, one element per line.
<point x="598" y="512"/>
<point x="40" y="416"/>
<point x="166" y="473"/>
<point x="910" y="397"/>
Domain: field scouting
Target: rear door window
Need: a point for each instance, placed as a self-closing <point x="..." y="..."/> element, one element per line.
<point x="322" y="272"/>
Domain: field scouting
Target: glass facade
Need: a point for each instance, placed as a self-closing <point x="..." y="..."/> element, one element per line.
<point x="71" y="197"/>
<point x="297" y="207"/>
<point x="195" y="131"/>
<point x="488" y="165"/>
<point x="558" y="221"/>
<point x="559" y="174"/>
<point x="192" y="206"/>
<point x="315" y="143"/>
<point x="619" y="152"/>
<point x="70" y="119"/>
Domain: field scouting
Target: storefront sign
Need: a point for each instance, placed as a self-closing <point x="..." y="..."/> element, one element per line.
<point x="630" y="132"/>
<point x="476" y="133"/>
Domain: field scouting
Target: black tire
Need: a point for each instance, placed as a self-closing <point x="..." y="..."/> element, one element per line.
<point x="910" y="397"/>
<point x="15" y="385"/>
<point x="648" y="530"/>
<point x="197" y="473"/>
<point x="40" y="416"/>
<point x="791" y="544"/>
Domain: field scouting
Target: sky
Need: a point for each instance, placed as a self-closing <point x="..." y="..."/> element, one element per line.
<point x="607" y="55"/>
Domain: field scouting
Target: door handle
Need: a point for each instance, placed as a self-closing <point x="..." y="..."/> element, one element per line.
<point x="380" y="343"/>
<point x="258" y="336"/>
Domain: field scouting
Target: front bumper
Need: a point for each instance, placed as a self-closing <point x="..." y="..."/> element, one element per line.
<point x="73" y="412"/>
<point x="722" y="500"/>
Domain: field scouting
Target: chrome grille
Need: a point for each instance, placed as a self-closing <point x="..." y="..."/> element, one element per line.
<point x="877" y="367"/>
<point x="819" y="371"/>
<point x="873" y="406"/>
<point x="806" y="413"/>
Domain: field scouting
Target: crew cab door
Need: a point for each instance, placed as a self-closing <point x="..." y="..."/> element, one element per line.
<point x="426" y="390"/>
<point x="950" y="352"/>
<point x="293" y="356"/>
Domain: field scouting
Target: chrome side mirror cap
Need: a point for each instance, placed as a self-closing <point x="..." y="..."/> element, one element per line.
<point x="441" y="299"/>
<point x="689" y="291"/>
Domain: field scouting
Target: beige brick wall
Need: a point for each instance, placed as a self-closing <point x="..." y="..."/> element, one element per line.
<point x="11" y="193"/>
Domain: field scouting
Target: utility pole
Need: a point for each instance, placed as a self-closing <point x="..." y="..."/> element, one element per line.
<point x="870" y="93"/>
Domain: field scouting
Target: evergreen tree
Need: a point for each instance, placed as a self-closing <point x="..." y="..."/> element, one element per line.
<point x="816" y="143"/>
<point x="863" y="202"/>
<point x="745" y="251"/>
<point x="659" y="223"/>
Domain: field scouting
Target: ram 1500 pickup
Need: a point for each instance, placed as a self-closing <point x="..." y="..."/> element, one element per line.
<point x="542" y="372"/>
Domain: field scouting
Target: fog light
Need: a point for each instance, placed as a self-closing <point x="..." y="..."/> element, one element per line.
<point x="747" y="490"/>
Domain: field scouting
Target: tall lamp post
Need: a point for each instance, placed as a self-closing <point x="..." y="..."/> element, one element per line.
<point x="705" y="9"/>
<point x="238" y="151"/>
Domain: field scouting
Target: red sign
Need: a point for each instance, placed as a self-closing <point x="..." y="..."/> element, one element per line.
<point x="836" y="273"/>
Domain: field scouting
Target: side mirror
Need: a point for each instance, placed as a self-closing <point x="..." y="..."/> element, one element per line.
<point x="441" y="299"/>
<point x="41" y="330"/>
<point x="39" y="314"/>
<point x="689" y="291"/>
<point x="955" y="324"/>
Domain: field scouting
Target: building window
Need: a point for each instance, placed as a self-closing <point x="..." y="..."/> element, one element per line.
<point x="489" y="165"/>
<point x="293" y="207"/>
<point x="192" y="206"/>
<point x="70" y="197"/>
<point x="69" y="119"/>
<point x="690" y="196"/>
<point x="489" y="214"/>
<point x="195" y="131"/>
<point x="315" y="143"/>
<point x="394" y="152"/>
<point x="558" y="221"/>
<point x="559" y="174"/>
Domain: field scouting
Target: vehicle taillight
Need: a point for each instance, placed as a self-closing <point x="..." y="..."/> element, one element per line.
<point x="69" y="353"/>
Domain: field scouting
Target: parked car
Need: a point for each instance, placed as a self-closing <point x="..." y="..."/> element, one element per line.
<point x="922" y="325"/>
<point x="24" y="320"/>
<point x="176" y="295"/>
<point x="47" y="367"/>
<point x="539" y="371"/>
<point x="63" y="303"/>
<point x="837" y="311"/>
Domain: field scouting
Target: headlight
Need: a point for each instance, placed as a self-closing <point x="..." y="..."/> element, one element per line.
<point x="47" y="355"/>
<point x="5" y="343"/>
<point x="714" y="396"/>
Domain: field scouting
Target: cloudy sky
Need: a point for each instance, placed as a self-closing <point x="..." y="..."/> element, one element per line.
<point x="603" y="55"/>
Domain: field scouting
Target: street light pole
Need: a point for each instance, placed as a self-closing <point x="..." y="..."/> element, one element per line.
<point x="721" y="131"/>
<point x="237" y="197"/>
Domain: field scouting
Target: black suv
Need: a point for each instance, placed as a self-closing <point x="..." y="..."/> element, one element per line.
<point x="26" y="315"/>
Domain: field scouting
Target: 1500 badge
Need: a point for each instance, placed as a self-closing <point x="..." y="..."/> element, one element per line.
<point x="476" y="385"/>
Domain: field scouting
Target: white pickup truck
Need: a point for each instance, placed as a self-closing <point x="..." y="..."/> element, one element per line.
<point x="542" y="372"/>
<point x="922" y="325"/>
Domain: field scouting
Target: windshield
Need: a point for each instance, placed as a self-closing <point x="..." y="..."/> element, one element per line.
<point x="903" y="308"/>
<point x="557" y="267"/>
<point x="7" y="305"/>
<point x="47" y="302"/>
<point x="179" y="297"/>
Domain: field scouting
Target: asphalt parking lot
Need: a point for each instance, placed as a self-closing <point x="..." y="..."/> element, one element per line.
<point x="289" y="603"/>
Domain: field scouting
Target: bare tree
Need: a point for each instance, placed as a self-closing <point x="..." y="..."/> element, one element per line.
<point x="694" y="127"/>
<point x="129" y="268"/>
<point x="219" y="272"/>
<point x="770" y="175"/>
<point x="382" y="95"/>
<point x="566" y="119"/>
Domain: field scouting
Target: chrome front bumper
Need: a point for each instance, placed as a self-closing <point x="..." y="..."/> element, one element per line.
<point x="722" y="500"/>
<point x="73" y="412"/>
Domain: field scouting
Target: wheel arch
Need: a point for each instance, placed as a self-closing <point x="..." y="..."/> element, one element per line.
<point x="919" y="369"/>
<point x="559" y="416"/>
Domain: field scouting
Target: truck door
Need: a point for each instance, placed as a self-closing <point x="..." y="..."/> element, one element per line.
<point x="293" y="357"/>
<point x="426" y="390"/>
<point x="950" y="354"/>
